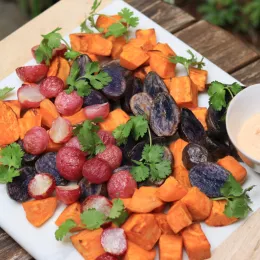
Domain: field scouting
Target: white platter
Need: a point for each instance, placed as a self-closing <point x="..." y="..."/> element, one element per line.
<point x="40" y="242"/>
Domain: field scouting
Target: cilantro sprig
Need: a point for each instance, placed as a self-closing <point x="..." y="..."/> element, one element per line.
<point x="4" y="92"/>
<point x="93" y="78"/>
<point x="64" y="229"/>
<point x="187" y="63"/>
<point x="10" y="160"/>
<point x="218" y="94"/>
<point x="49" y="42"/>
<point x="152" y="164"/>
<point x="237" y="198"/>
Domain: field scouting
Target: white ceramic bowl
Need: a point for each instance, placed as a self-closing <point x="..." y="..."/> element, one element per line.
<point x="243" y="106"/>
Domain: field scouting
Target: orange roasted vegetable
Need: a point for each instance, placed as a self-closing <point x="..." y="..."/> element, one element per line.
<point x="140" y="73"/>
<point x="159" y="209"/>
<point x="195" y="242"/>
<point x="170" y="247"/>
<point x="171" y="190"/>
<point x="176" y="148"/>
<point x="184" y="92"/>
<point x="71" y="212"/>
<point x="53" y="147"/>
<point x="144" y="200"/>
<point x="15" y="105"/>
<point x="143" y="230"/>
<point x="39" y="211"/>
<point x="60" y="68"/>
<point x="165" y="49"/>
<point x="79" y="41"/>
<point x="8" y="125"/>
<point x="32" y="113"/>
<point x="143" y="43"/>
<point x="104" y="21"/>
<point x="234" y="167"/>
<point x="147" y="34"/>
<point x="28" y="122"/>
<point x="167" y="83"/>
<point x="161" y="220"/>
<point x="118" y="44"/>
<point x="217" y="218"/>
<point x="54" y="67"/>
<point x="198" y="204"/>
<point x="115" y="118"/>
<point x="77" y="118"/>
<point x="48" y="112"/>
<point x="178" y="217"/>
<point x="181" y="174"/>
<point x="134" y="252"/>
<point x="198" y="78"/>
<point x="201" y="113"/>
<point x="88" y="243"/>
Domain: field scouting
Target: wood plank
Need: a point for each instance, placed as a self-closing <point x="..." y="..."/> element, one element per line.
<point x="218" y="45"/>
<point x="169" y="17"/>
<point x="249" y="75"/>
<point x="9" y="249"/>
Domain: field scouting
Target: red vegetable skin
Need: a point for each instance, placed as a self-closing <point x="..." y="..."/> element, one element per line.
<point x="74" y="142"/>
<point x="68" y="194"/>
<point x="36" y="140"/>
<point x="112" y="155"/>
<point x="100" y="203"/>
<point x="106" y="137"/>
<point x="68" y="104"/>
<point x="41" y="186"/>
<point x="69" y="162"/>
<point x="29" y="95"/>
<point x="32" y="74"/>
<point x="61" y="130"/>
<point x="113" y="240"/>
<point x="98" y="110"/>
<point x="121" y="185"/>
<point x="96" y="170"/>
<point x="51" y="87"/>
<point x="106" y="256"/>
<point x="56" y="52"/>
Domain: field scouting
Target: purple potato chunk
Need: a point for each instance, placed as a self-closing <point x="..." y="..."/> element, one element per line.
<point x="18" y="188"/>
<point x="190" y="128"/>
<point x="95" y="97"/>
<point x="194" y="154"/>
<point x="141" y="104"/>
<point x="82" y="61"/>
<point x="28" y="159"/>
<point x="88" y="189"/>
<point x="131" y="90"/>
<point x="165" y="115"/>
<point x="47" y="164"/>
<point x="209" y="178"/>
<point x="154" y="85"/>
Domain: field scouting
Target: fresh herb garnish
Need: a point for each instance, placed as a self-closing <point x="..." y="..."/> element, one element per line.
<point x="10" y="160"/>
<point x="237" y="198"/>
<point x="84" y="28"/>
<point x="93" y="78"/>
<point x="152" y="164"/>
<point x="187" y="63"/>
<point x="4" y="92"/>
<point x="218" y="92"/>
<point x="64" y="229"/>
<point x="93" y="219"/>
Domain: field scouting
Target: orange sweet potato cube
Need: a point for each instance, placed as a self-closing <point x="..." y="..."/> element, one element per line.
<point x="201" y="113"/>
<point x="199" y="78"/>
<point x="148" y="34"/>
<point x="171" y="190"/>
<point x="176" y="148"/>
<point x="181" y="174"/>
<point x="217" y="218"/>
<point x="99" y="45"/>
<point x="234" y="167"/>
<point x="143" y="230"/>
<point x="79" y="41"/>
<point x="195" y="242"/>
<point x="179" y="217"/>
<point x="184" y="92"/>
<point x="105" y="21"/>
<point x="198" y="204"/>
<point x="167" y="83"/>
<point x="118" y="44"/>
<point x="171" y="247"/>
<point x="165" y="49"/>
<point x="161" y="220"/>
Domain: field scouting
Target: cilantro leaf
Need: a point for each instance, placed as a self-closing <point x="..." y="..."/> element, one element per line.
<point x="163" y="169"/>
<point x="64" y="229"/>
<point x="153" y="153"/>
<point x="140" y="126"/>
<point x="7" y="174"/>
<point x="53" y="38"/>
<point x="237" y="208"/>
<point x="117" y="208"/>
<point x="95" y="6"/>
<point x="4" y="92"/>
<point x="128" y="17"/>
<point x="93" y="219"/>
<point x="116" y="29"/>
<point x="85" y="28"/>
<point x="121" y="219"/>
<point x="140" y="173"/>
<point x="235" y="88"/>
<point x="71" y="55"/>
<point x="231" y="187"/>
<point x="83" y="88"/>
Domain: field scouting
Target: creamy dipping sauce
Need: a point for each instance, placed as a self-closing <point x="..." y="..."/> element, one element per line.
<point x="249" y="137"/>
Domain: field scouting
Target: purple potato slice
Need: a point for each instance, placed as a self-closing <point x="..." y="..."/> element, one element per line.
<point x="95" y="97"/>
<point x="141" y="104"/>
<point x="82" y="61"/>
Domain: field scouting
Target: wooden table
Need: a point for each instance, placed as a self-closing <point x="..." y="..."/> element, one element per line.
<point x="219" y="46"/>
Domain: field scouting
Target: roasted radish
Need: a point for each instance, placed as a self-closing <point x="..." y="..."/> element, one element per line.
<point x="61" y="130"/>
<point x="51" y="87"/>
<point x="68" y="194"/>
<point x="29" y="95"/>
<point x="41" y="186"/>
<point x="32" y="74"/>
<point x="99" y="110"/>
<point x="107" y="256"/>
<point x="106" y="137"/>
<point x="55" y="52"/>
<point x="113" y="240"/>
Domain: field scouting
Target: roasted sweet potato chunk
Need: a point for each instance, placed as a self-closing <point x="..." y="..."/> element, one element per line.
<point x="176" y="148"/>
<point x="161" y="220"/>
<point x="201" y="113"/>
<point x="105" y="21"/>
<point x="77" y="118"/>
<point x="28" y="122"/>
<point x="164" y="48"/>
<point x="181" y="174"/>
<point x="48" y="112"/>
<point x="15" y="105"/>
<point x="118" y="44"/>
<point x="198" y="78"/>
<point x="148" y="34"/>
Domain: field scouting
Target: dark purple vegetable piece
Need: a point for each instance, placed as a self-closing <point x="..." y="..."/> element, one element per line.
<point x="209" y="178"/>
<point x="18" y="188"/>
<point x="194" y="154"/>
<point x="153" y="84"/>
<point x="141" y="104"/>
<point x="47" y="164"/>
<point x="131" y="90"/>
<point x="28" y="159"/>
<point x="190" y="128"/>
<point x="88" y="189"/>
<point x="95" y="97"/>
<point x="168" y="154"/>
<point x="123" y="168"/>
<point x="165" y="115"/>
<point x="82" y="61"/>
